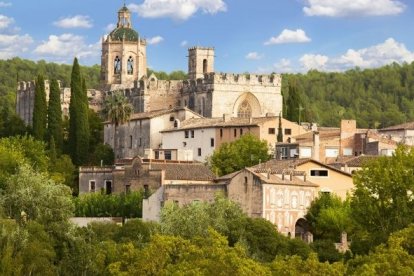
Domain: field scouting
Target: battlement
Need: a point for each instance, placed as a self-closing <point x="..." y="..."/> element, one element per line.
<point x="200" y="48"/>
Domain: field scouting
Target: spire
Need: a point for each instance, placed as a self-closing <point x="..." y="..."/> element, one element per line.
<point x="124" y="17"/>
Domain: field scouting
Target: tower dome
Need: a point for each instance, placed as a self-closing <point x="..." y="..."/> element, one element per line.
<point x="124" y="30"/>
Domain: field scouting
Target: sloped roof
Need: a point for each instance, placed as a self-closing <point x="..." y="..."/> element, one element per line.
<point x="357" y="161"/>
<point x="194" y="123"/>
<point x="184" y="171"/>
<point x="273" y="178"/>
<point x="404" y="126"/>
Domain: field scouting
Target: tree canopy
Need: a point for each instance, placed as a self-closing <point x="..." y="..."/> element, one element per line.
<point x="244" y="152"/>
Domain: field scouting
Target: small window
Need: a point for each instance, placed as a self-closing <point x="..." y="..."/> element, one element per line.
<point x="167" y="155"/>
<point x="319" y="172"/>
<point x="199" y="151"/>
<point x="212" y="142"/>
<point x="108" y="187"/>
<point x="221" y="133"/>
<point x="130" y="141"/>
<point x="241" y="132"/>
<point x="127" y="188"/>
<point x="288" y="131"/>
<point x="140" y="141"/>
<point x="172" y="119"/>
<point x="235" y="132"/>
<point x="92" y="186"/>
<point x="157" y="155"/>
<point x="192" y="134"/>
<point x="272" y="130"/>
<point x="186" y="134"/>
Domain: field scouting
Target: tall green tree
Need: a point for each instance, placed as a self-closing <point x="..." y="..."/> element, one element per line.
<point x="244" y="152"/>
<point x="383" y="199"/>
<point x="294" y="103"/>
<point x="39" y="109"/>
<point x="78" y="117"/>
<point x="280" y="130"/>
<point x="54" y="116"/>
<point x="118" y="111"/>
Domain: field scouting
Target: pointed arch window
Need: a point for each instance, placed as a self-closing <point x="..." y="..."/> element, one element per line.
<point x="117" y="65"/>
<point x="245" y="110"/>
<point x="130" y="66"/>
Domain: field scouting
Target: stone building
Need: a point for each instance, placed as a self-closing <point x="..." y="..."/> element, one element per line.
<point x="25" y="99"/>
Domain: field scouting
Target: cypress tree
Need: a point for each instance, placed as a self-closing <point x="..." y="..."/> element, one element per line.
<point x="39" y="109"/>
<point x="294" y="103"/>
<point x="78" y="117"/>
<point x="54" y="116"/>
<point x="279" y="129"/>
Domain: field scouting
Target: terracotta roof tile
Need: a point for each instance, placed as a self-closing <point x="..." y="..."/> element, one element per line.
<point x="409" y="125"/>
<point x="183" y="171"/>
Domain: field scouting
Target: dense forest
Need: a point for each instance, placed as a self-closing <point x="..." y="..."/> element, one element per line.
<point x="374" y="97"/>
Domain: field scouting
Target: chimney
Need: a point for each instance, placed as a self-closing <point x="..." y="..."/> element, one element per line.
<point x="316" y="146"/>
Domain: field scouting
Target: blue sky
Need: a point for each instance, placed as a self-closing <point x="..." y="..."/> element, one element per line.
<point x="258" y="36"/>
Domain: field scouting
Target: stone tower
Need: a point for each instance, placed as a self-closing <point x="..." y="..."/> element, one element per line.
<point x="124" y="58"/>
<point x="200" y="62"/>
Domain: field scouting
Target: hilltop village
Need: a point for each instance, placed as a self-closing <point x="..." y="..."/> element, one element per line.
<point x="177" y="125"/>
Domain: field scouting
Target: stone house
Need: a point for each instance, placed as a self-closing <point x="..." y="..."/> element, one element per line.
<point x="142" y="131"/>
<point x="328" y="144"/>
<point x="203" y="135"/>
<point x="352" y="164"/>
<point x="403" y="133"/>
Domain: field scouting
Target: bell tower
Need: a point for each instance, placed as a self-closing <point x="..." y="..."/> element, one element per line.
<point x="124" y="58"/>
<point x="200" y="62"/>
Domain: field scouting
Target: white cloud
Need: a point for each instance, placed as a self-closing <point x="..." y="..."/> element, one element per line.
<point x="254" y="56"/>
<point x="184" y="43"/>
<point x="289" y="36"/>
<point x="67" y="46"/>
<point x="310" y="61"/>
<point x="375" y="56"/>
<point x="77" y="21"/>
<point x="177" y="9"/>
<point x="341" y="8"/>
<point x="5" y="21"/>
<point x="155" y="40"/>
<point x="14" y="45"/>
<point x="5" y="4"/>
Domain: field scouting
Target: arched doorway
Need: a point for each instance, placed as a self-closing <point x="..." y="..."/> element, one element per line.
<point x="301" y="228"/>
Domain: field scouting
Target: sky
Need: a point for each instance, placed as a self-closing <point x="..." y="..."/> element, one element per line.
<point x="259" y="36"/>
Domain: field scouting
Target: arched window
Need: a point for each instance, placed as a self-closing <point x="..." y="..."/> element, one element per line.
<point x="117" y="65"/>
<point x="204" y="66"/>
<point x="245" y="110"/>
<point x="130" y="66"/>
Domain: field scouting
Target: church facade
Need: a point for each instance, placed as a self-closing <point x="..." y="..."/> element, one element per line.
<point x="206" y="92"/>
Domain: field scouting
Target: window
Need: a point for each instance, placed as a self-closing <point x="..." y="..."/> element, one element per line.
<point x="157" y="155"/>
<point x="130" y="141"/>
<point x="212" y="142"/>
<point x="245" y="184"/>
<point x="221" y="133"/>
<point x="272" y="130"/>
<point x="167" y="155"/>
<point x="192" y="134"/>
<point x="92" y="186"/>
<point x="331" y="152"/>
<point x="245" y="110"/>
<point x="140" y="141"/>
<point x="305" y="152"/>
<point x="127" y="188"/>
<point x="172" y="119"/>
<point x="108" y="187"/>
<point x="186" y="134"/>
<point x="288" y="131"/>
<point x="205" y="66"/>
<point x="348" y="151"/>
<point x="319" y="172"/>
<point x="130" y="66"/>
<point x="235" y="132"/>
<point x="241" y="132"/>
<point x="284" y="152"/>
<point x="199" y="151"/>
<point x="117" y="66"/>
